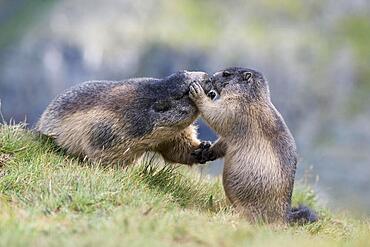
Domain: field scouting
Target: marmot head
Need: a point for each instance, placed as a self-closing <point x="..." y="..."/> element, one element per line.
<point x="242" y="81"/>
<point x="173" y="104"/>
<point x="177" y="84"/>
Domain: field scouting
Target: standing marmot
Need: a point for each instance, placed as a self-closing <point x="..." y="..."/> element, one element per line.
<point x="260" y="152"/>
<point x="116" y="122"/>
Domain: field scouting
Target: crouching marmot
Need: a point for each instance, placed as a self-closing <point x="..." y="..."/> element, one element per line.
<point x="116" y="122"/>
<point x="260" y="152"/>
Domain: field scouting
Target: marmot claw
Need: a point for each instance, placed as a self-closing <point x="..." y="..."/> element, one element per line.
<point x="196" y="91"/>
<point x="202" y="154"/>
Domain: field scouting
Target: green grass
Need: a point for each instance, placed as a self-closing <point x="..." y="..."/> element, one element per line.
<point x="50" y="199"/>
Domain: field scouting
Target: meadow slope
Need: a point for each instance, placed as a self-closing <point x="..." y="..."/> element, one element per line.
<point x="50" y="199"/>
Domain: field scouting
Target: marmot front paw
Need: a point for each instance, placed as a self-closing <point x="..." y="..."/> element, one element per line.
<point x="203" y="153"/>
<point x="196" y="92"/>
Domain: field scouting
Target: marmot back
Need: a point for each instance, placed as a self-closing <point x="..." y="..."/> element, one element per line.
<point x="260" y="152"/>
<point x="116" y="122"/>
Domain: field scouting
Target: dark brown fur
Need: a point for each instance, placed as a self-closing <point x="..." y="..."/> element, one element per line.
<point x="259" y="150"/>
<point x="116" y="122"/>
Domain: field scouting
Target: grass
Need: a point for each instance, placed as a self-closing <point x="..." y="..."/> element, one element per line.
<point x="50" y="199"/>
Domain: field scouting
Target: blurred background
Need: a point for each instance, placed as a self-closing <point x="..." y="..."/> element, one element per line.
<point x="315" y="54"/>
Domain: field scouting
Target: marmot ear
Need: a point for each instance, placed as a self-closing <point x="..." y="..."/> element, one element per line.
<point x="247" y="76"/>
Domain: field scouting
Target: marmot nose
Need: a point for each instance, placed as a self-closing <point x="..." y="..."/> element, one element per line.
<point x="206" y="77"/>
<point x="199" y="75"/>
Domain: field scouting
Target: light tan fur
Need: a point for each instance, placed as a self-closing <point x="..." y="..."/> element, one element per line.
<point x="253" y="178"/>
<point x="176" y="148"/>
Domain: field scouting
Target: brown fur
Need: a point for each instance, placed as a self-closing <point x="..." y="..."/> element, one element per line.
<point x="116" y="122"/>
<point x="259" y="151"/>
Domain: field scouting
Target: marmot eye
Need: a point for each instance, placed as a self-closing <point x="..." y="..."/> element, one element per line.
<point x="226" y="73"/>
<point x="247" y="76"/>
